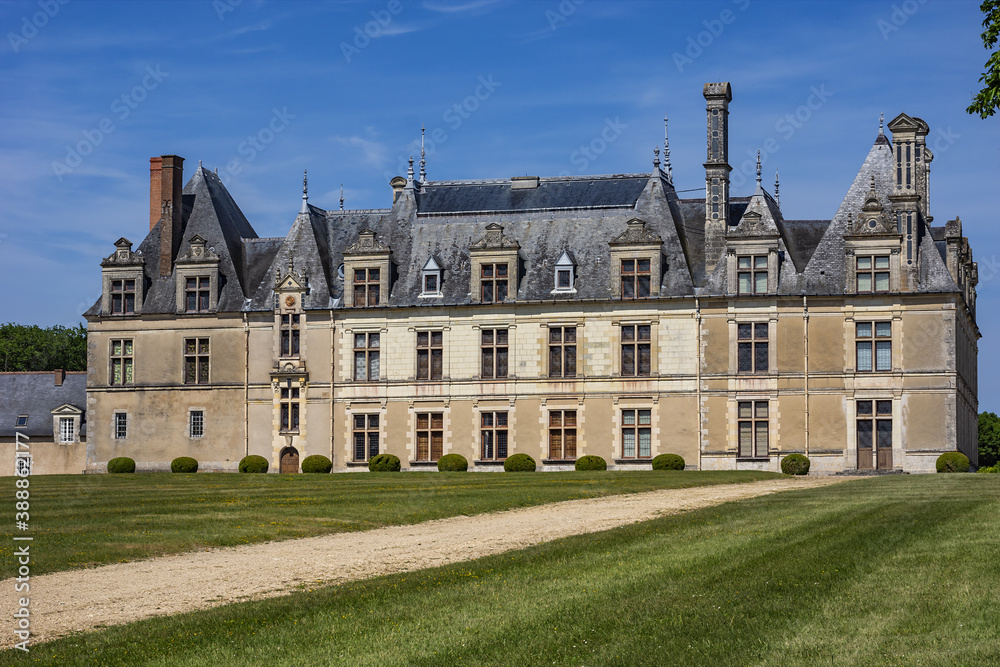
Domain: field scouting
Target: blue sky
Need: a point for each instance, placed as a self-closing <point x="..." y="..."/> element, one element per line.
<point x="262" y="90"/>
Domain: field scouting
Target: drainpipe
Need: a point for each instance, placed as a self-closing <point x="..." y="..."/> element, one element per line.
<point x="805" y="357"/>
<point x="246" y="384"/>
<point x="697" y="316"/>
<point x="333" y="366"/>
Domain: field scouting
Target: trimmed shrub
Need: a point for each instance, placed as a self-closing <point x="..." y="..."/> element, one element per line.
<point x="253" y="464"/>
<point x="453" y="463"/>
<point x="668" y="462"/>
<point x="953" y="462"/>
<point x="317" y="463"/>
<point x="121" y="464"/>
<point x="519" y="463"/>
<point x="184" y="464"/>
<point x="591" y="462"/>
<point x="384" y="463"/>
<point x="992" y="469"/>
<point x="795" y="464"/>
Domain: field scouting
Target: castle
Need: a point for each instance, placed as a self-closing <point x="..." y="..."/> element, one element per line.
<point x="556" y="317"/>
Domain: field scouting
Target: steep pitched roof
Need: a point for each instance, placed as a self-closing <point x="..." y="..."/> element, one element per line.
<point x="36" y="395"/>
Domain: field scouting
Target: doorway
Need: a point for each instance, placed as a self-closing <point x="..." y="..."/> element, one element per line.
<point x="289" y="460"/>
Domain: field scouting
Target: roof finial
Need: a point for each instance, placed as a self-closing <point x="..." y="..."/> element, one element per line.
<point x="666" y="151"/>
<point x="341" y="196"/>
<point x="777" y="196"/>
<point x="759" y="190"/>
<point x="881" y="119"/>
<point x="305" y="192"/>
<point x="423" y="161"/>
<point x="409" y="172"/>
<point x="291" y="263"/>
<point x="199" y="164"/>
<point x="656" y="159"/>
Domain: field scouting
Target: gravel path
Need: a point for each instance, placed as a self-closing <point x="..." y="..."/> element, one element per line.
<point x="114" y="594"/>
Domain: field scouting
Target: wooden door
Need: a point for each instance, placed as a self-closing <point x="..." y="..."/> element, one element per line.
<point x="883" y="437"/>
<point x="865" y="458"/>
<point x="289" y="460"/>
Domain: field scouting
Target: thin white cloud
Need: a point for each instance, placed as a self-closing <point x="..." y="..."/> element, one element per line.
<point x="258" y="27"/>
<point x="372" y="153"/>
<point x="444" y="7"/>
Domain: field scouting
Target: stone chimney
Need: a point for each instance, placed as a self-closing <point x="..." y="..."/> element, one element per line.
<point x="169" y="192"/>
<point x="717" y="99"/>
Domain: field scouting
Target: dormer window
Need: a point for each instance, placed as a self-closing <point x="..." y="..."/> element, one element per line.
<point x="196" y="294"/>
<point x="122" y="274"/>
<point x="873" y="273"/>
<point x="752" y="274"/>
<point x="197" y="278"/>
<point x="368" y="268"/>
<point x="366" y="287"/>
<point x="495" y="263"/>
<point x="565" y="276"/>
<point x="431" y="279"/>
<point x="636" y="262"/>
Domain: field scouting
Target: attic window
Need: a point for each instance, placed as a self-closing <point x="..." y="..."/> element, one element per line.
<point x="22" y="421"/>
<point x="430" y="280"/>
<point x="565" y="275"/>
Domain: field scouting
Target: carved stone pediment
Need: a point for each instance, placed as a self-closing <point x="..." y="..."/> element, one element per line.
<point x="873" y="219"/>
<point x="753" y="225"/>
<point x="636" y="234"/>
<point x="198" y="252"/>
<point x="495" y="239"/>
<point x="366" y="244"/>
<point x="123" y="255"/>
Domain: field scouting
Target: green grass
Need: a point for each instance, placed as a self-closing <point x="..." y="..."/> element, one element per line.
<point x="85" y="520"/>
<point x="890" y="571"/>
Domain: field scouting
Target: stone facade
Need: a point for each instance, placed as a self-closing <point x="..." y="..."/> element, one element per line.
<point x="563" y="316"/>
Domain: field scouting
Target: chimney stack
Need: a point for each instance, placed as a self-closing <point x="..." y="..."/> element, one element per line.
<point x="60" y="376"/>
<point x="717" y="99"/>
<point x="155" y="167"/>
<point x="169" y="192"/>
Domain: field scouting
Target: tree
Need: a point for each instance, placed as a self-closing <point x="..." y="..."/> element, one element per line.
<point x="31" y="348"/>
<point x="987" y="101"/>
<point x="989" y="439"/>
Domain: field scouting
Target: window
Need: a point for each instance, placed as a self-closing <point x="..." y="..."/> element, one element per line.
<point x="195" y="361"/>
<point x="494" y="349"/>
<point x="366" y="287"/>
<point x="290" y="335"/>
<point x="121" y="362"/>
<point x="752" y="429"/>
<point x="565" y="277"/>
<point x="636" y="434"/>
<point x="196" y="423"/>
<point x="289" y="409"/>
<point x="122" y="297"/>
<point x="636" y="355"/>
<point x="22" y="421"/>
<point x="196" y="291"/>
<point x="365" y="437"/>
<point x="430" y="436"/>
<point x="366" y="356"/>
<point x="873" y="273"/>
<point x="751" y="274"/>
<point x="874" y="429"/>
<point x="562" y="352"/>
<point x="494" y="435"/>
<point x="430" y="355"/>
<point x="66" y="429"/>
<point x="121" y="426"/>
<point x="635" y="278"/>
<point x="493" y="282"/>
<point x="431" y="283"/>
<point x="874" y="346"/>
<point x="752" y="347"/>
<point x="562" y="434"/>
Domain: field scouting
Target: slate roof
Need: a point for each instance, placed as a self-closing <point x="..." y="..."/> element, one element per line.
<point x="36" y="395"/>
<point x="575" y="214"/>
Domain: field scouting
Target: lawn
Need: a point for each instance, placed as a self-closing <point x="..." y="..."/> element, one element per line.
<point x="86" y="520"/>
<point x="885" y="571"/>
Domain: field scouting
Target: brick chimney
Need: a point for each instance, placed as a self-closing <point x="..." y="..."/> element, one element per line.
<point x="169" y="192"/>
<point x="60" y="377"/>
<point x="155" y="167"/>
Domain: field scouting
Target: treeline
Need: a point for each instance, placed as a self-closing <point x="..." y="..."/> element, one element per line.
<point x="32" y="348"/>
